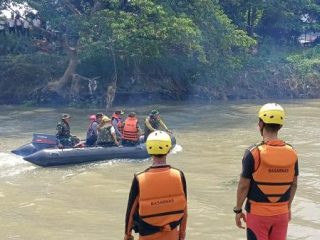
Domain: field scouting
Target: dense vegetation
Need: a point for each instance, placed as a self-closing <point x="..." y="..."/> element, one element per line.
<point x="175" y="49"/>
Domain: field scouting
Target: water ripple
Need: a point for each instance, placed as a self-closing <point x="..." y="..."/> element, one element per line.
<point x="12" y="165"/>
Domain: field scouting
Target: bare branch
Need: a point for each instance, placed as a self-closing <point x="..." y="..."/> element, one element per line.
<point x="71" y="7"/>
<point x="96" y="7"/>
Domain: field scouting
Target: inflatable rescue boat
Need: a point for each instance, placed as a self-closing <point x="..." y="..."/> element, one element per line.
<point x="43" y="151"/>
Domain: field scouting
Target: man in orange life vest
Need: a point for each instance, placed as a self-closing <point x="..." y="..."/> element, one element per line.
<point x="157" y="205"/>
<point x="268" y="180"/>
<point x="131" y="130"/>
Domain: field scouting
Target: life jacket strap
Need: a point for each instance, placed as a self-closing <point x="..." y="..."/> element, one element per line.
<point x="166" y="228"/>
<point x="146" y="229"/>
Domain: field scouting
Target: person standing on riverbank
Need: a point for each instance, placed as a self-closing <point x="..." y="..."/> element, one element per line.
<point x="12" y="24"/>
<point x="26" y="27"/>
<point x="268" y="181"/>
<point x="157" y="205"/>
<point x="19" y="25"/>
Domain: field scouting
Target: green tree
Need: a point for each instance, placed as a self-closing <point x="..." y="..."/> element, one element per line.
<point x="137" y="32"/>
<point x="163" y="45"/>
<point x="245" y="14"/>
<point x="280" y="20"/>
<point x="225" y="45"/>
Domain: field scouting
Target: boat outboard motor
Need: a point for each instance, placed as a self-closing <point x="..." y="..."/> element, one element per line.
<point x="42" y="141"/>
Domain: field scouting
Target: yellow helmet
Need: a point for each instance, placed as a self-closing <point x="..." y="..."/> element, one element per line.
<point x="272" y="113"/>
<point x="158" y="142"/>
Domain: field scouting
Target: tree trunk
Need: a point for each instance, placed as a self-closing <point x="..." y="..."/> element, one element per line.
<point x="60" y="85"/>
<point x="112" y="88"/>
<point x="249" y="22"/>
<point x="251" y="17"/>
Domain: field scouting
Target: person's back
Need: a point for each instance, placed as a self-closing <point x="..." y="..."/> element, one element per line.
<point x="268" y="180"/>
<point x="157" y="205"/>
<point x="131" y="130"/>
<point x="161" y="185"/>
<point x="106" y="134"/>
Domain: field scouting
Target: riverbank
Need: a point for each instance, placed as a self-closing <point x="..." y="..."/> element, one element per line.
<point x="273" y="72"/>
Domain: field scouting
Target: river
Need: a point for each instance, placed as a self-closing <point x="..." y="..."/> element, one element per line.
<point x="88" y="201"/>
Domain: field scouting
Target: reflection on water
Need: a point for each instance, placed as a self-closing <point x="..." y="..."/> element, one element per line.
<point x="88" y="201"/>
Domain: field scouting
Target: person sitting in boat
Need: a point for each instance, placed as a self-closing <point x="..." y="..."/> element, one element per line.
<point x="107" y="134"/>
<point x="92" y="132"/>
<point x="131" y="130"/>
<point x="153" y="122"/>
<point x="117" y="123"/>
<point x="64" y="137"/>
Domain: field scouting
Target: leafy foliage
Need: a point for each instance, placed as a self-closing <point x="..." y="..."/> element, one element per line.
<point x="280" y="20"/>
<point x="171" y="46"/>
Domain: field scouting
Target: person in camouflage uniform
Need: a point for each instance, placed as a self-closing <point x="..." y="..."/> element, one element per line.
<point x="107" y="134"/>
<point x="63" y="135"/>
<point x="153" y="122"/>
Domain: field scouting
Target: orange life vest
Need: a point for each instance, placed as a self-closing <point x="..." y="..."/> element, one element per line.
<point x="273" y="175"/>
<point x="130" y="130"/>
<point x="162" y="199"/>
